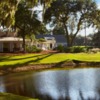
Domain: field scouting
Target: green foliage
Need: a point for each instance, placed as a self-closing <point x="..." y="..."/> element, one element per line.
<point x="70" y="15"/>
<point x="60" y="48"/>
<point x="58" y="30"/>
<point x="32" y="49"/>
<point x="96" y="39"/>
<point x="95" y="19"/>
<point x="26" y="23"/>
<point x="7" y="12"/>
<point x="8" y="9"/>
<point x="78" y="49"/>
<point x="42" y="40"/>
<point x="74" y="49"/>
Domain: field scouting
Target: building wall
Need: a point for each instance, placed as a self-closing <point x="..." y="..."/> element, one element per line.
<point x="48" y="45"/>
<point x="10" y="46"/>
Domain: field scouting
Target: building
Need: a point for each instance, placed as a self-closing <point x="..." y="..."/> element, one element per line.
<point x="50" y="41"/>
<point x="9" y="42"/>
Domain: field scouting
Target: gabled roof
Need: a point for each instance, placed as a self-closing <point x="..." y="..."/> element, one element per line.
<point x="58" y="38"/>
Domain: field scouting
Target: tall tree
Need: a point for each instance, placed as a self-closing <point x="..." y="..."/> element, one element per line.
<point x="9" y="7"/>
<point x="13" y="13"/>
<point x="25" y="23"/>
<point x="95" y="19"/>
<point x="58" y="30"/>
<point x="7" y="12"/>
<point x="96" y="39"/>
<point x="71" y="15"/>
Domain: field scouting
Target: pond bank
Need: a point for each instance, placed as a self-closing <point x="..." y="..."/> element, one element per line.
<point x="65" y="64"/>
<point x="8" y="96"/>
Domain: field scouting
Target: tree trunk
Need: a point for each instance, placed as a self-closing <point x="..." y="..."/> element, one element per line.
<point x="67" y="35"/>
<point x="72" y="39"/>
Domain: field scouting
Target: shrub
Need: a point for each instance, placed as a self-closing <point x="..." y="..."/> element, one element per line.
<point x="73" y="49"/>
<point x="68" y="50"/>
<point x="77" y="49"/>
<point x="32" y="49"/>
<point x="60" y="48"/>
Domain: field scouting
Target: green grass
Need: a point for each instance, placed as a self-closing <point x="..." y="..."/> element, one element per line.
<point x="27" y="59"/>
<point x="8" y="96"/>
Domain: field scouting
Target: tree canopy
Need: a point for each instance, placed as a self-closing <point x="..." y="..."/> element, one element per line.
<point x="95" y="19"/>
<point x="9" y="7"/>
<point x="7" y="11"/>
<point x="16" y="13"/>
<point x="96" y="39"/>
<point x="26" y="24"/>
<point x="71" y="15"/>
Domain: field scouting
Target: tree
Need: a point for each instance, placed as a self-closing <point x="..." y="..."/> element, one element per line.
<point x="12" y="13"/>
<point x="96" y="39"/>
<point x="27" y="24"/>
<point x="71" y="15"/>
<point x="58" y="30"/>
<point x="8" y="9"/>
<point x="7" y="12"/>
<point x="95" y="19"/>
<point x="80" y="40"/>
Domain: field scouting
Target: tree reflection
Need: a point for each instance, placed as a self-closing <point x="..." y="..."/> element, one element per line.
<point x="56" y="85"/>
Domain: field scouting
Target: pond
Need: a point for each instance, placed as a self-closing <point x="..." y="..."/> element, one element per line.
<point x="77" y="84"/>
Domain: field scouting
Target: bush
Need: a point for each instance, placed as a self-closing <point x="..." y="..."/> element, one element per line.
<point x="32" y="49"/>
<point x="60" y="48"/>
<point x="73" y="49"/>
<point x="78" y="49"/>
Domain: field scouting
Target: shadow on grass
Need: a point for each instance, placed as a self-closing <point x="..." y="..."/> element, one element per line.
<point x="9" y="58"/>
<point x="2" y="58"/>
<point x="8" y="68"/>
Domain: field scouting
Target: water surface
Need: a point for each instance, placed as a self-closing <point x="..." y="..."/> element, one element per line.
<point x="78" y="84"/>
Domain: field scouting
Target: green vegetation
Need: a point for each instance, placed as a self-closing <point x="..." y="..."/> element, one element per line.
<point x="69" y="16"/>
<point x="31" y="49"/>
<point x="26" y="59"/>
<point x="8" y="96"/>
<point x="73" y="49"/>
<point x="78" y="49"/>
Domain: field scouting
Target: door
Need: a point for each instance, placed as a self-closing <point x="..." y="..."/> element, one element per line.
<point x="6" y="47"/>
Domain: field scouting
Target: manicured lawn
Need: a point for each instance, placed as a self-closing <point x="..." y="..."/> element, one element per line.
<point x="27" y="59"/>
<point x="7" y="96"/>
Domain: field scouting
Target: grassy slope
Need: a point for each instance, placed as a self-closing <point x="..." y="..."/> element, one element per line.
<point x="7" y="96"/>
<point x="46" y="58"/>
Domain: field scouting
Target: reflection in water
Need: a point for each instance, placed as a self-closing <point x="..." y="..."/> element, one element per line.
<point x="2" y="85"/>
<point x="80" y="84"/>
